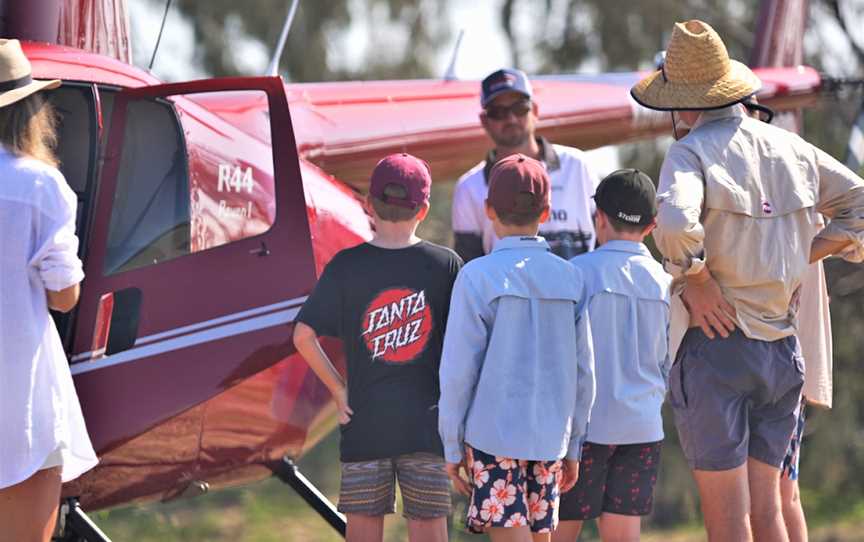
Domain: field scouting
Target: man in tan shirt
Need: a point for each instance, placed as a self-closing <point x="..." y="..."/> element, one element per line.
<point x="738" y="226"/>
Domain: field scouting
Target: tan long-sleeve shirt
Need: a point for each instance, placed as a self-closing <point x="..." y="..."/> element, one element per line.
<point x="743" y="198"/>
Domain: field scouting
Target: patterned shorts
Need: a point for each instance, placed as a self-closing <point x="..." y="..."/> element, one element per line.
<point x="793" y="454"/>
<point x="369" y="487"/>
<point x="618" y="479"/>
<point x="513" y="493"/>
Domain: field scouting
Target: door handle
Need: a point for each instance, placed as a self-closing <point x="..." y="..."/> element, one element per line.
<point x="262" y="251"/>
<point x="117" y="318"/>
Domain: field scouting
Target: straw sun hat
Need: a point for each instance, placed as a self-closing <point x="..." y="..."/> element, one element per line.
<point x="697" y="73"/>
<point x="16" y="82"/>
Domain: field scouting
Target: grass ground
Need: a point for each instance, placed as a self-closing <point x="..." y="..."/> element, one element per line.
<point x="270" y="511"/>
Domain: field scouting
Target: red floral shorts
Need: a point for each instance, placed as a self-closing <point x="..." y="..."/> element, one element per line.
<point x="513" y="493"/>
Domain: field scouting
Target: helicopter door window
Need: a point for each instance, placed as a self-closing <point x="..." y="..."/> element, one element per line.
<point x="151" y="213"/>
<point x="232" y="192"/>
<point x="161" y="211"/>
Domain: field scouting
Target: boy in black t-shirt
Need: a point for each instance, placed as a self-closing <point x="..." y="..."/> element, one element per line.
<point x="388" y="301"/>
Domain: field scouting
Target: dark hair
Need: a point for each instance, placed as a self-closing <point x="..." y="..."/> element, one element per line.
<point x="521" y="218"/>
<point x="28" y="128"/>
<point x="390" y="212"/>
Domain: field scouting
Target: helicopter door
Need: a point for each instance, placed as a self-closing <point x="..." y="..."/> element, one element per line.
<point x="199" y="255"/>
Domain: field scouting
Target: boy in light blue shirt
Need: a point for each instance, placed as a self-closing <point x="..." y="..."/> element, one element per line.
<point x="628" y="297"/>
<point x="516" y="372"/>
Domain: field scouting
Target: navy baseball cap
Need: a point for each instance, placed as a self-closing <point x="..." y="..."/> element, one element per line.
<point x="505" y="80"/>
<point x="627" y="196"/>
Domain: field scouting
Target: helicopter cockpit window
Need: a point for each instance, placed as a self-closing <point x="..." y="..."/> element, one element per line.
<point x="76" y="141"/>
<point x="151" y="213"/>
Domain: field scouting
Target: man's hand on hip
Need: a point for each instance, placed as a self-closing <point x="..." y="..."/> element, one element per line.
<point x="707" y="307"/>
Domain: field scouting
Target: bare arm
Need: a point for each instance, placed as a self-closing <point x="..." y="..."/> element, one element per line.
<point x="64" y="300"/>
<point x="306" y="342"/>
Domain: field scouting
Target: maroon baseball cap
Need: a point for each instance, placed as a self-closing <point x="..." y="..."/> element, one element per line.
<point x="513" y="177"/>
<point x="409" y="172"/>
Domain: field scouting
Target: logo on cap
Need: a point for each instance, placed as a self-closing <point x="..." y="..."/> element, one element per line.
<point x="630" y="218"/>
<point x="505" y="80"/>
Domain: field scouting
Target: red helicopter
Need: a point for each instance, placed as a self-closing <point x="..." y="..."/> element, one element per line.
<point x="206" y="211"/>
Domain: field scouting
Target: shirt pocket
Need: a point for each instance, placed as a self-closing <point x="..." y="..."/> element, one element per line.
<point x="677" y="395"/>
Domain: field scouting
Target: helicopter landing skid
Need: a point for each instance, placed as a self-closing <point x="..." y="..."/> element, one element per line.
<point x="288" y="472"/>
<point x="75" y="526"/>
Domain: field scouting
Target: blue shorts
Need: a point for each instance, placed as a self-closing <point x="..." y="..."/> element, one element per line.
<point x="735" y="398"/>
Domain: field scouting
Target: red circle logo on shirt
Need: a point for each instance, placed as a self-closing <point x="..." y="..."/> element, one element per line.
<point x="396" y="325"/>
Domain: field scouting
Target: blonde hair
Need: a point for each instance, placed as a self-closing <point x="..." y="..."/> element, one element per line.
<point x="390" y="212"/>
<point x="28" y="128"/>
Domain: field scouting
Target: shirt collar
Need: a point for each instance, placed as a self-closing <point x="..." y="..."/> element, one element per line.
<point x="733" y="111"/>
<point x="547" y="155"/>
<point x="515" y="241"/>
<point x="620" y="245"/>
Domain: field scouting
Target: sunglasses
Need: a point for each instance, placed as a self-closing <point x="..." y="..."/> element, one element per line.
<point x="500" y="112"/>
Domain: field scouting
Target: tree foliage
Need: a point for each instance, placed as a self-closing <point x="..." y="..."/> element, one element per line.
<point x="309" y="52"/>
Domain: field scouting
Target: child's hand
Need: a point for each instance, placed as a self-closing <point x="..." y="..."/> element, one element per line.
<point x="345" y="412"/>
<point x="461" y="484"/>
<point x="571" y="475"/>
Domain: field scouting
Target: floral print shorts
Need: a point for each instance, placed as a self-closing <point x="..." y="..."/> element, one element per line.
<point x="513" y="493"/>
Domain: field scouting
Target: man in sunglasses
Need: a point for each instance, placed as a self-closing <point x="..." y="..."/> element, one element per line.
<point x="509" y="116"/>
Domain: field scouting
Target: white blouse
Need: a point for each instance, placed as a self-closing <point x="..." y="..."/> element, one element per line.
<point x="39" y="410"/>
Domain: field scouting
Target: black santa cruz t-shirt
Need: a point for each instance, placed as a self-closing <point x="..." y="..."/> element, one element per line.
<point x="389" y="307"/>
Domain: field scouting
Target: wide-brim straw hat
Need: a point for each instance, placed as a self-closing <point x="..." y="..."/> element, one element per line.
<point x="16" y="81"/>
<point x="697" y="73"/>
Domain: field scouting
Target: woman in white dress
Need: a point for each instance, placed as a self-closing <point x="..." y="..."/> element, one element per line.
<point x="43" y="439"/>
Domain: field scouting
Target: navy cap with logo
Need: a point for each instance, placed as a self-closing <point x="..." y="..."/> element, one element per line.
<point x="501" y="81"/>
<point x="627" y="196"/>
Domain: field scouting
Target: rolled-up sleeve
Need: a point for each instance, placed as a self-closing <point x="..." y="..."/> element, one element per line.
<point x="585" y="383"/>
<point x="461" y="361"/>
<point x="56" y="255"/>
<point x="841" y="199"/>
<point x="679" y="234"/>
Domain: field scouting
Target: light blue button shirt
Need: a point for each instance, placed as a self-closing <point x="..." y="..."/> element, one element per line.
<point x="517" y="369"/>
<point x="628" y="303"/>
